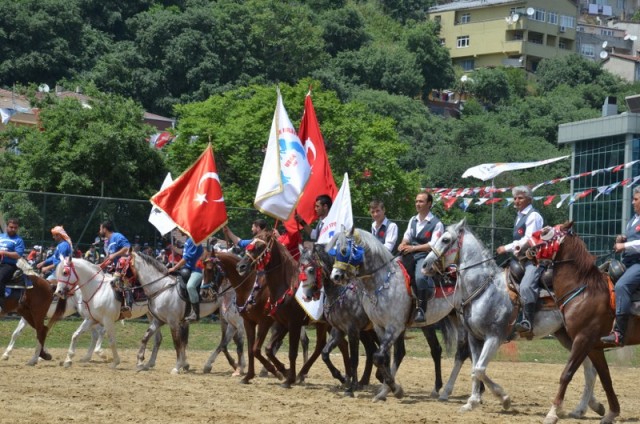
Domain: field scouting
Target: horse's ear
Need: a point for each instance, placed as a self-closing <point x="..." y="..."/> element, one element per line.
<point x="353" y="229"/>
<point x="463" y="222"/>
<point x="567" y="225"/>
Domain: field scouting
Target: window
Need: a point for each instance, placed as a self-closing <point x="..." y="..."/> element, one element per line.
<point x="468" y="64"/>
<point x="539" y="15"/>
<point x="562" y="44"/>
<point x="465" y="18"/>
<point x="437" y="18"/>
<point x="552" y="18"/>
<point x="463" y="41"/>
<point x="518" y="35"/>
<point x="567" y="21"/>
<point x="442" y="42"/>
<point x="606" y="32"/>
<point x="588" y="50"/>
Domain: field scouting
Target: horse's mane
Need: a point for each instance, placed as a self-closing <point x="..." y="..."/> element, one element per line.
<point x="584" y="262"/>
<point x="159" y="266"/>
<point x="371" y="244"/>
<point x="484" y="251"/>
<point x="270" y="237"/>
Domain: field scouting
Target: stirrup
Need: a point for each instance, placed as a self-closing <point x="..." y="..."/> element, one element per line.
<point x="125" y="311"/>
<point x="191" y="317"/>
<point x="419" y="316"/>
<point x="614" y="338"/>
<point x="523" y="326"/>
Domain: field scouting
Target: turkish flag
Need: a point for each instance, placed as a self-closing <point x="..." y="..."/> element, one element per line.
<point x="321" y="179"/>
<point x="448" y="202"/>
<point x="194" y="200"/>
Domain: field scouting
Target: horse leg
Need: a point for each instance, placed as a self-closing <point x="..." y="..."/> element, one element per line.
<point x="336" y="337"/>
<point x="588" y="399"/>
<point x="321" y="341"/>
<point x="110" y="331"/>
<point x="381" y="360"/>
<point x="95" y="336"/>
<point x="21" y="325"/>
<point x="462" y="354"/>
<point x="151" y="330"/>
<point x="304" y="340"/>
<point x="250" y="330"/>
<point x="230" y="335"/>
<point x="222" y="346"/>
<point x="369" y="341"/>
<point x="294" y="343"/>
<point x="86" y="324"/>
<point x="277" y="336"/>
<point x="180" y="335"/>
<point x="489" y="349"/>
<point x="600" y="363"/>
<point x="157" y="341"/>
<point x="475" y="346"/>
<point x="436" y="354"/>
<point x="238" y="339"/>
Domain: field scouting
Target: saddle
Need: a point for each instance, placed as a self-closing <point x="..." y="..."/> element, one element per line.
<point x="182" y="290"/>
<point x="18" y="281"/>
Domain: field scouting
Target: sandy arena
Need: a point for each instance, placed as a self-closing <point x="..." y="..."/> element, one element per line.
<point x="94" y="393"/>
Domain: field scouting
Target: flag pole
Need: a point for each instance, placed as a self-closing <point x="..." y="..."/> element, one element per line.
<point x="493" y="216"/>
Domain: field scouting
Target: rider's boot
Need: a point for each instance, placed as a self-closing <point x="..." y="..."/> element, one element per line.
<point x="421" y="307"/>
<point x="195" y="313"/>
<point x="528" y="314"/>
<point x="127" y="303"/>
<point x="616" y="337"/>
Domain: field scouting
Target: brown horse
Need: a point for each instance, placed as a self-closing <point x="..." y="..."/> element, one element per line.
<point x="278" y="271"/>
<point x="583" y="296"/>
<point x="33" y="305"/>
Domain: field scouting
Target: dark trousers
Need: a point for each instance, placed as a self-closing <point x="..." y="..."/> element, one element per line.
<point x="6" y="272"/>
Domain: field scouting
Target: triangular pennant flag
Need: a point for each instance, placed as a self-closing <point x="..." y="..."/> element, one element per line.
<point x="466" y="202"/>
<point x="549" y="199"/>
<point x="635" y="180"/>
<point x="482" y="200"/>
<point x="448" y="202"/>
<point x="494" y="200"/>
<point x="563" y="197"/>
<point x="601" y="191"/>
<point x="285" y="170"/>
<point x="509" y="201"/>
<point x="195" y="201"/>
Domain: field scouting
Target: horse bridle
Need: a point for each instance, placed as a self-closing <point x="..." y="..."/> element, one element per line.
<point x="316" y="263"/>
<point x="262" y="259"/>
<point x="68" y="270"/>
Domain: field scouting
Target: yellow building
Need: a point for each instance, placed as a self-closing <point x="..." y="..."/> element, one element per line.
<point x="519" y="33"/>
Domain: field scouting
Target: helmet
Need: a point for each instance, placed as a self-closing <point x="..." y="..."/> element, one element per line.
<point x="616" y="269"/>
<point x="516" y="269"/>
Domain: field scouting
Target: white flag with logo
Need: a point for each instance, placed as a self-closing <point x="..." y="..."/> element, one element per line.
<point x="285" y="170"/>
<point x="487" y="171"/>
<point x="158" y="218"/>
<point x="340" y="216"/>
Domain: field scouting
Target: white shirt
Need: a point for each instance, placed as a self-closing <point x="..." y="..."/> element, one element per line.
<point x="533" y="223"/>
<point x="316" y="231"/>
<point x="437" y="232"/>
<point x="633" y="247"/>
<point x="391" y="235"/>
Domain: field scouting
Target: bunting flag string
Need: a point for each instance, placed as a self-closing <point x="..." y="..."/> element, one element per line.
<point x="486" y="195"/>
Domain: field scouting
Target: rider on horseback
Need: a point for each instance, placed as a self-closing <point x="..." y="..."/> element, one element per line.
<point x="63" y="250"/>
<point x="527" y="222"/>
<point x="116" y="245"/>
<point x="629" y="245"/>
<point x="191" y="273"/>
<point x="424" y="229"/>
<point x="11" y="249"/>
<point x="385" y="231"/>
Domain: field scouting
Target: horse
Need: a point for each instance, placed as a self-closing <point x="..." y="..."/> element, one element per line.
<point x="167" y="307"/>
<point x="585" y="297"/>
<point x="488" y="311"/>
<point x="32" y="305"/>
<point x="344" y="312"/>
<point x="71" y="308"/>
<point x="103" y="307"/>
<point x="277" y="270"/>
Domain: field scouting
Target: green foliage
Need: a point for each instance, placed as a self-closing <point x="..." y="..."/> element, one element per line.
<point x="490" y="86"/>
<point x="405" y="10"/>
<point x="574" y="70"/>
<point x="343" y="29"/>
<point x="432" y="58"/>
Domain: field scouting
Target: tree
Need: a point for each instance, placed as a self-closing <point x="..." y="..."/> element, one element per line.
<point x="343" y="29"/>
<point x="491" y="86"/>
<point x="432" y="58"/>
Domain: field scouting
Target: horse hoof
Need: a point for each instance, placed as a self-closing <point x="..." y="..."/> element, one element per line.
<point x="443" y="398"/>
<point x="398" y="392"/>
<point x="550" y="419"/>
<point x="599" y="409"/>
<point x="236" y="373"/>
<point x="5" y="357"/>
<point x="434" y="394"/>
<point x="175" y="371"/>
<point x="466" y="408"/>
<point x="379" y="398"/>
<point x="84" y="359"/>
<point x="67" y="364"/>
<point x="506" y="402"/>
<point x="608" y="418"/>
<point x="301" y="378"/>
<point x="32" y="363"/>
<point x="279" y="376"/>
<point x="46" y="356"/>
<point x="263" y="373"/>
<point x="207" y="369"/>
<point x="348" y="393"/>
<point x="285" y="385"/>
<point x="101" y="354"/>
<point x="245" y="381"/>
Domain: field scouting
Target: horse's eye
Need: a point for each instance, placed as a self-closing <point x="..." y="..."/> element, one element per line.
<point x="65" y="272"/>
<point x="446" y="240"/>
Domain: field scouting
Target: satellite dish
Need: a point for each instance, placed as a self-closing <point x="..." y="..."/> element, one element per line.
<point x="530" y="11"/>
<point x="508" y="20"/>
<point x="515" y="17"/>
<point x="604" y="45"/>
<point x="604" y="55"/>
<point x="633" y="37"/>
<point x="626" y="37"/>
<point x="43" y="88"/>
<point x="464" y="78"/>
<point x="521" y="59"/>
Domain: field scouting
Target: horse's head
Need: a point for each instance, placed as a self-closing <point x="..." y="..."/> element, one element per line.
<point x="212" y="277"/>
<point x="445" y="250"/>
<point x="310" y="276"/>
<point x="67" y="277"/>
<point x="258" y="253"/>
<point x="348" y="251"/>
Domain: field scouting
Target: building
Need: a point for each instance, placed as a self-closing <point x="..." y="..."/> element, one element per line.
<point x="25" y="115"/>
<point x="609" y="8"/>
<point x="519" y="33"/>
<point x="625" y="66"/>
<point x="596" y="42"/>
<point x="600" y="143"/>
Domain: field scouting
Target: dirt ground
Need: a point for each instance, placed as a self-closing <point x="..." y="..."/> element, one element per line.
<point x="94" y="393"/>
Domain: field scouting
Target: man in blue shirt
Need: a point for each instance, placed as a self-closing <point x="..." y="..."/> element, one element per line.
<point x="63" y="250"/>
<point x="11" y="249"/>
<point x="115" y="246"/>
<point x="191" y="253"/>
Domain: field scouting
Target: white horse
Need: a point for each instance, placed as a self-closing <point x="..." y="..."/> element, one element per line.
<point x="483" y="302"/>
<point x="72" y="307"/>
<point x="168" y="307"/>
<point x="98" y="298"/>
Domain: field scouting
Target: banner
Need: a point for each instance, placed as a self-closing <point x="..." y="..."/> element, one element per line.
<point x="163" y="222"/>
<point x="285" y="170"/>
<point x="195" y="201"/>
<point x="487" y="171"/>
<point x="340" y="216"/>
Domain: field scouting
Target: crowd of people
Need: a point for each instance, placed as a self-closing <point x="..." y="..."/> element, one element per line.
<point x="420" y="235"/>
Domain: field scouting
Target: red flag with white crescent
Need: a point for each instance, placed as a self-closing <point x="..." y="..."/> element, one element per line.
<point x="194" y="200"/>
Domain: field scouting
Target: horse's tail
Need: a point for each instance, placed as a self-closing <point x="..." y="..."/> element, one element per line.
<point x="449" y="327"/>
<point x="61" y="307"/>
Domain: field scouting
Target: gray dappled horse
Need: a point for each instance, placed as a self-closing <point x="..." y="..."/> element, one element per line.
<point x="488" y="312"/>
<point x="168" y="307"/>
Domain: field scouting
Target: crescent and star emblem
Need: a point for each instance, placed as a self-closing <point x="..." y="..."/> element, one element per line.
<point x="308" y="145"/>
<point x="202" y="197"/>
